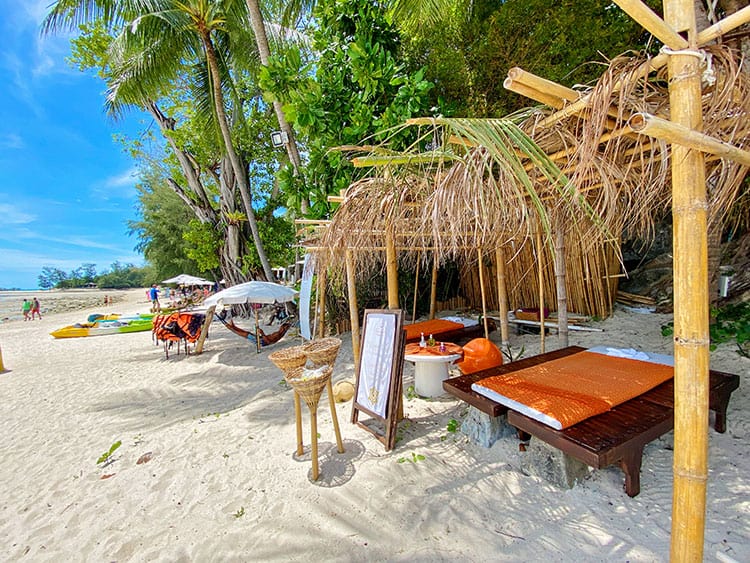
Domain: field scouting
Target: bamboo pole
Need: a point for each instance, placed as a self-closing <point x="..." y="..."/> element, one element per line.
<point x="678" y="134"/>
<point x="691" y="299"/>
<point x="560" y="278"/>
<point x="520" y="76"/>
<point x="706" y="36"/>
<point x="391" y="268"/>
<point x="433" y="288"/>
<point x="482" y="292"/>
<point x="502" y="296"/>
<point x="320" y="318"/>
<point x="660" y="29"/>
<point x="351" y="287"/>
<point x="416" y="287"/>
<point x="540" y="272"/>
<point x="526" y="90"/>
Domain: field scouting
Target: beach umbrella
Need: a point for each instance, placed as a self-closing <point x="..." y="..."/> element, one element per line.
<point x="186" y="279"/>
<point x="252" y="292"/>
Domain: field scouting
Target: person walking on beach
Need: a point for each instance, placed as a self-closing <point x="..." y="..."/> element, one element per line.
<point x="36" y="309"/>
<point x="26" y="308"/>
<point x="153" y="295"/>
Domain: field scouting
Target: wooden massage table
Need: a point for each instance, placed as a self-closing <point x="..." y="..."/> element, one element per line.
<point x="617" y="435"/>
<point x="444" y="330"/>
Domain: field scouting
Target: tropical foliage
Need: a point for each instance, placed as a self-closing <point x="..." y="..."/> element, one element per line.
<point x="218" y="77"/>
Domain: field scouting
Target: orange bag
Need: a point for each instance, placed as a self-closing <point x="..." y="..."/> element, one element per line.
<point x="480" y="354"/>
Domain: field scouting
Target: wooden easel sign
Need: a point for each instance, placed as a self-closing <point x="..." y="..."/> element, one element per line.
<point x="381" y="363"/>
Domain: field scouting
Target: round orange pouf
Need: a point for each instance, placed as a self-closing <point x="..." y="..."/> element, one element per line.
<point x="480" y="354"/>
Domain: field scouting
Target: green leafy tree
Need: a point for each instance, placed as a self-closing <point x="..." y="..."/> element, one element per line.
<point x="158" y="40"/>
<point x="353" y="87"/>
<point x="468" y="48"/>
<point x="51" y="277"/>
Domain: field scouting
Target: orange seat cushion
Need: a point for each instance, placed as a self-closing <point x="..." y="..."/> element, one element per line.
<point x="565" y="391"/>
<point x="480" y="354"/>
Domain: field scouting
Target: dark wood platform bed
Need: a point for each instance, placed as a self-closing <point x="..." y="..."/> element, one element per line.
<point x="615" y="436"/>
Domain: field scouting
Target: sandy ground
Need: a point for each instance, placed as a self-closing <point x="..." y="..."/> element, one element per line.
<point x="222" y="483"/>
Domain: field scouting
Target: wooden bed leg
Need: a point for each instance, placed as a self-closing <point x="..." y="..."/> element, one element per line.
<point x="631" y="466"/>
<point x="720" y="424"/>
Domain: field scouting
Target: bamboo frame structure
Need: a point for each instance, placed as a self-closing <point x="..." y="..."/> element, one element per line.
<point x="691" y="299"/>
<point x="677" y="134"/>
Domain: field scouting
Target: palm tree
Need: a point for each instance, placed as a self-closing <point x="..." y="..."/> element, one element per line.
<point x="156" y="39"/>
<point x="261" y="39"/>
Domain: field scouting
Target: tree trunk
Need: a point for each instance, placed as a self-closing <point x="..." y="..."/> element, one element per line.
<point x="237" y="166"/>
<point x="261" y="39"/>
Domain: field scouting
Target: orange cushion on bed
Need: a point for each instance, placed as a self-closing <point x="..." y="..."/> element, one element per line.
<point x="431" y="327"/>
<point x="579" y="386"/>
<point x="480" y="354"/>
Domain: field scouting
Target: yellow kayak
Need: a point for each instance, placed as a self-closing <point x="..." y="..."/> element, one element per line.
<point x="100" y="328"/>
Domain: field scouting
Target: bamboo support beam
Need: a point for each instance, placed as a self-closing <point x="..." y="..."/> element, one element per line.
<point x="433" y="288"/>
<point x="320" y="317"/>
<point x="391" y="268"/>
<point x="525" y="90"/>
<point x="482" y="292"/>
<point x="351" y="287"/>
<point x="502" y="296"/>
<point x="656" y="26"/>
<point x="520" y="76"/>
<point x="540" y="276"/>
<point x="560" y="279"/>
<point x="691" y="300"/>
<point x="686" y="137"/>
<point x="729" y="23"/>
<point x="416" y="288"/>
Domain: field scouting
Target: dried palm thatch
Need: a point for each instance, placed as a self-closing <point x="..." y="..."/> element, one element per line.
<point x="488" y="183"/>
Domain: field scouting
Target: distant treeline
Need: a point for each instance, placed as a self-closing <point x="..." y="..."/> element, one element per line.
<point x="119" y="276"/>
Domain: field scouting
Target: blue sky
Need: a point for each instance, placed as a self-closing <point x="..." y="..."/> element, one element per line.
<point x="67" y="187"/>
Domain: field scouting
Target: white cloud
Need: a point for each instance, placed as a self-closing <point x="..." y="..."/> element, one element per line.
<point x="120" y="186"/>
<point x="13" y="216"/>
<point x="11" y="141"/>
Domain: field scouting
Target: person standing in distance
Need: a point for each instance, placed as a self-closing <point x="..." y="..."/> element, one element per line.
<point x="153" y="295"/>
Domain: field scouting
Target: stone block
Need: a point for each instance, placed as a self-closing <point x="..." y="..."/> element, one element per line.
<point x="549" y="463"/>
<point x="483" y="429"/>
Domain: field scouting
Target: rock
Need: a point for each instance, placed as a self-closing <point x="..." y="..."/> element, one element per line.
<point x="484" y="430"/>
<point x="549" y="463"/>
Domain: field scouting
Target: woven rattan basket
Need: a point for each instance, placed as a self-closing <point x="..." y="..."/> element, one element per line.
<point x="311" y="388"/>
<point x="322" y="352"/>
<point x="289" y="358"/>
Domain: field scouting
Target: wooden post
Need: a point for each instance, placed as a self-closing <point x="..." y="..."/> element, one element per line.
<point x="433" y="288"/>
<point x="353" y="308"/>
<point x="691" y="338"/>
<point x="320" y="318"/>
<point x="257" y="330"/>
<point x="416" y="287"/>
<point x="391" y="268"/>
<point x="201" y="338"/>
<point x="481" y="289"/>
<point x="560" y="279"/>
<point x="540" y="273"/>
<point x="502" y="296"/>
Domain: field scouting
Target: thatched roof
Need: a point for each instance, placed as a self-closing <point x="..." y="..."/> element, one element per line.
<point x="487" y="182"/>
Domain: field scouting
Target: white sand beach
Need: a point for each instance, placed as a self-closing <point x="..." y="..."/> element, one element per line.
<point x="221" y="483"/>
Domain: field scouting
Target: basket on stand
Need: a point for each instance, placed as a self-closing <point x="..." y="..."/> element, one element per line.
<point x="309" y="388"/>
<point x="289" y="358"/>
<point x="309" y="385"/>
<point x="322" y="352"/>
